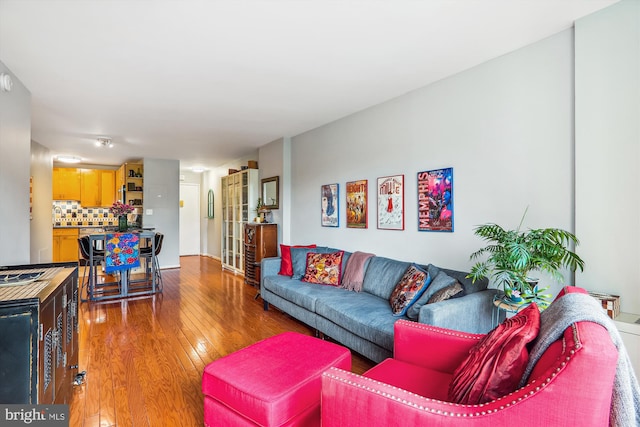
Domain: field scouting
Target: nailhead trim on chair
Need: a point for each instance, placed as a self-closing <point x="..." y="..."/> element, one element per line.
<point x="439" y="411"/>
<point x="442" y="331"/>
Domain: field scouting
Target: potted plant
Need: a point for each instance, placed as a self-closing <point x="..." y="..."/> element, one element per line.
<point x="514" y="254"/>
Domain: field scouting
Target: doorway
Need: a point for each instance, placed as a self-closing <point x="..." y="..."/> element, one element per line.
<point x="189" y="219"/>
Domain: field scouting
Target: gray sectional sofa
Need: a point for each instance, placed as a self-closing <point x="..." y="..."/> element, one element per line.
<point x="363" y="321"/>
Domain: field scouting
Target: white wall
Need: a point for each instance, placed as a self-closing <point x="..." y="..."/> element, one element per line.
<point x="41" y="234"/>
<point x="608" y="150"/>
<point x="272" y="161"/>
<point x="15" y="157"/>
<point x="162" y="195"/>
<point x="504" y="126"/>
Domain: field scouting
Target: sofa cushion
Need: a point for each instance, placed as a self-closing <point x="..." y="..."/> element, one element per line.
<point x="440" y="281"/>
<point x="382" y="275"/>
<point x="299" y="259"/>
<point x="408" y="289"/>
<point x="496" y="363"/>
<point x="286" y="268"/>
<point x="363" y="314"/>
<point x="324" y="268"/>
<point x="301" y="293"/>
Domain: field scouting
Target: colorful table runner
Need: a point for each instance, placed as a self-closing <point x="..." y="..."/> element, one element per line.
<point x="122" y="251"/>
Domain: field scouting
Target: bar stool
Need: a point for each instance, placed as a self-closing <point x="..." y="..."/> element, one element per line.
<point x="84" y="244"/>
<point x="153" y="258"/>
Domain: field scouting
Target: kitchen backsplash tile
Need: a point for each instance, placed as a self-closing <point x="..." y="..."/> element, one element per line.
<point x="69" y="213"/>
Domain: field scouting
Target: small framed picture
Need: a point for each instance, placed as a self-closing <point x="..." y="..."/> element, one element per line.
<point x="329" y="202"/>
<point x="357" y="204"/>
<point x="435" y="200"/>
<point x="391" y="202"/>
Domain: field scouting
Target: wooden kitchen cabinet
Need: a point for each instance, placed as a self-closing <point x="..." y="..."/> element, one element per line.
<point x="39" y="336"/>
<point x="65" y="244"/>
<point x="97" y="188"/>
<point x="66" y="184"/>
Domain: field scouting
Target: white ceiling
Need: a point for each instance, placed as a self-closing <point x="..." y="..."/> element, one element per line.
<point x="206" y="82"/>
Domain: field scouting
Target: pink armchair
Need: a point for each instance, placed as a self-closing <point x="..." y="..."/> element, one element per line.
<point x="570" y="385"/>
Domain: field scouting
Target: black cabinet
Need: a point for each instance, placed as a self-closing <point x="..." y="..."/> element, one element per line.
<point x="39" y="336"/>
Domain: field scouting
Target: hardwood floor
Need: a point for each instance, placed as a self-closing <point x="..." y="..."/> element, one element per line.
<point x="144" y="357"/>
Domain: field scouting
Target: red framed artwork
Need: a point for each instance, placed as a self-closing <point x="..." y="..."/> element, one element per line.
<point x="390" y="191"/>
<point x="357" y="204"/>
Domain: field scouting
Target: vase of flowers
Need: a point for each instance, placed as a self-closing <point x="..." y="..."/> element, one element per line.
<point x="120" y="210"/>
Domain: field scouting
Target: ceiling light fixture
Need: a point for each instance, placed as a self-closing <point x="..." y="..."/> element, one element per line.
<point x="104" y="142"/>
<point x="68" y="159"/>
<point x="197" y="169"/>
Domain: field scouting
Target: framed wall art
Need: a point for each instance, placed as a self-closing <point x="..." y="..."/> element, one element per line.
<point x="357" y="204"/>
<point x="435" y="200"/>
<point x="329" y="203"/>
<point x="391" y="202"/>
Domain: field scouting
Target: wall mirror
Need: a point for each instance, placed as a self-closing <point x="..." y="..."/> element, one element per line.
<point x="271" y="192"/>
<point x="210" y="204"/>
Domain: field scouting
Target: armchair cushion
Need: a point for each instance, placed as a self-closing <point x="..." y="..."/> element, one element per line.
<point x="416" y="379"/>
<point x="496" y="364"/>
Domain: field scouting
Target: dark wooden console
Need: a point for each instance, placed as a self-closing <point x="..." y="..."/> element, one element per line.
<point x="38" y="333"/>
<point x="260" y="241"/>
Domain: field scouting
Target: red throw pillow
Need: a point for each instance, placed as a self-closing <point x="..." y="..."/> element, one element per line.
<point x="495" y="365"/>
<point x="286" y="268"/>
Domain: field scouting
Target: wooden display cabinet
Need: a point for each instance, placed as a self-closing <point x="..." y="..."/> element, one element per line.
<point x="260" y="241"/>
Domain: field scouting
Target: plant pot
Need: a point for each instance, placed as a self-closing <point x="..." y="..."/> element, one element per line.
<point x="512" y="297"/>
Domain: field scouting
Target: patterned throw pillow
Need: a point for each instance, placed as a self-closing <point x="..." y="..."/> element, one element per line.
<point x="410" y="287"/>
<point x="324" y="268"/>
<point x="496" y="363"/>
<point x="452" y="291"/>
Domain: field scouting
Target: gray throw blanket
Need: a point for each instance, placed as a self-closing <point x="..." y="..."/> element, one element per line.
<point x="576" y="307"/>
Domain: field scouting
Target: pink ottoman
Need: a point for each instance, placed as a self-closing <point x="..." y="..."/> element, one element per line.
<point x="274" y="382"/>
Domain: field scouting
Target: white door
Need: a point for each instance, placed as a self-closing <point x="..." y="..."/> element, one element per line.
<point x="189" y="219"/>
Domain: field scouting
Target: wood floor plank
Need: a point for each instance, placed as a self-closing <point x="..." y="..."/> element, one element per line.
<point x="145" y="356"/>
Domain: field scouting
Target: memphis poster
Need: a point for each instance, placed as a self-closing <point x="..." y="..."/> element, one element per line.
<point x="435" y="200"/>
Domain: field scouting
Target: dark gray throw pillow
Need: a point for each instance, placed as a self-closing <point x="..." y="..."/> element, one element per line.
<point x="441" y="280"/>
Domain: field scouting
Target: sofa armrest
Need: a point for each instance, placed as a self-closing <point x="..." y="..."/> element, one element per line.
<point x="269" y="267"/>
<point x="412" y="341"/>
<point x="472" y="313"/>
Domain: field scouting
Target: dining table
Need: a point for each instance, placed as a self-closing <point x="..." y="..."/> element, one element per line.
<point x="125" y="289"/>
